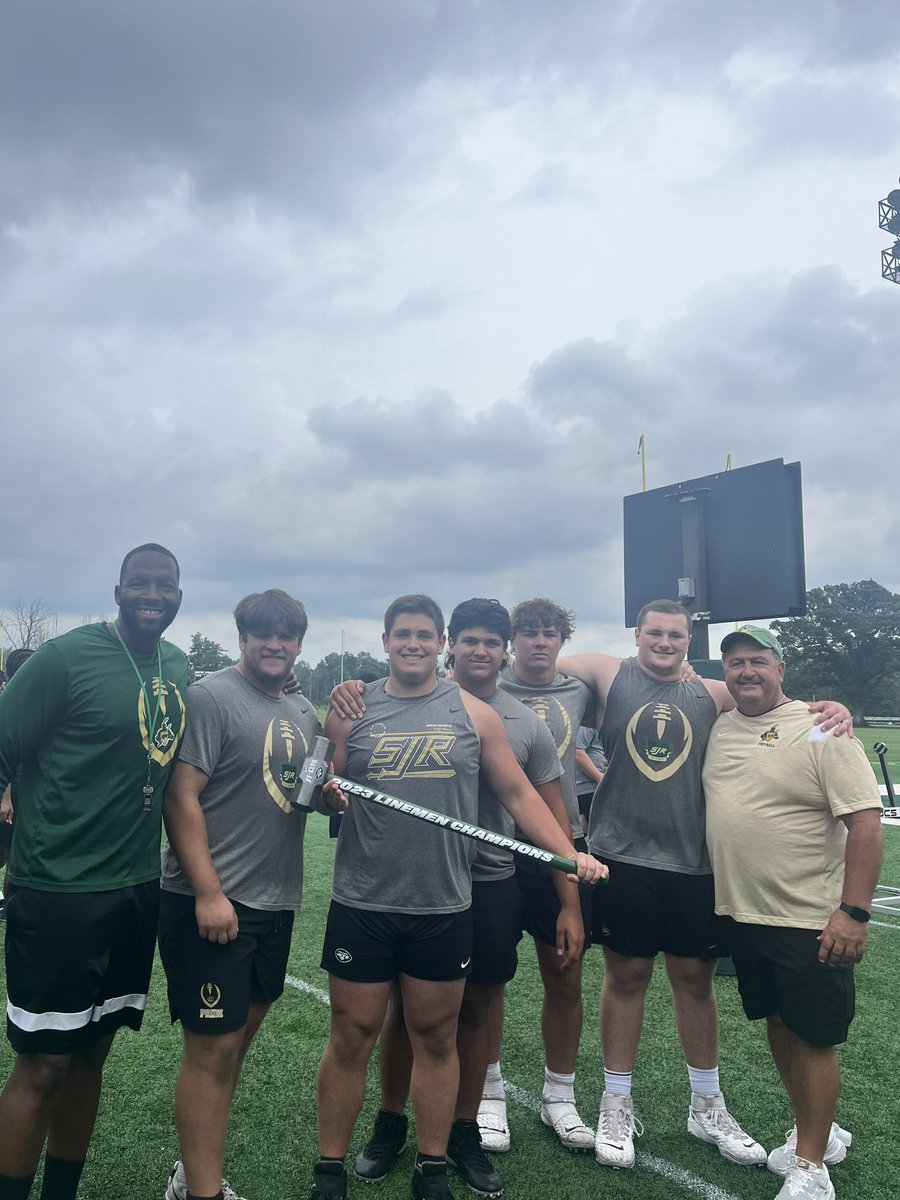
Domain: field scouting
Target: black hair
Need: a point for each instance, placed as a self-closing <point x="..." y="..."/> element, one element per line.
<point x="157" y="549"/>
<point x="14" y="660"/>
<point x="479" y="613"/>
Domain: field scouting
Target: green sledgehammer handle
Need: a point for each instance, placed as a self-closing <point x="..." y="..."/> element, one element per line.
<point x="454" y="825"/>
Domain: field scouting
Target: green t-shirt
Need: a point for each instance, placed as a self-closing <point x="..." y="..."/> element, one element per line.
<point x="77" y="720"/>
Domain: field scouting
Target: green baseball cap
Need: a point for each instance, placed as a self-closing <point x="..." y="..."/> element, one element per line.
<point x="757" y="634"/>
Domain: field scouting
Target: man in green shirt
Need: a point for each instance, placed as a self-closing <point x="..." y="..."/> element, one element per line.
<point x="94" y="719"/>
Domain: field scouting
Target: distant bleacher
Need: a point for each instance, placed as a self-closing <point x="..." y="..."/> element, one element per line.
<point x="882" y="722"/>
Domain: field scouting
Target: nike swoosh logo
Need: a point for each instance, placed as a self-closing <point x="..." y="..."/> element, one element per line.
<point x="463" y="965"/>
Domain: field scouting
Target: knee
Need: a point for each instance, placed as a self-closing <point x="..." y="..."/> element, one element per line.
<point x="436" y="1040"/>
<point x="350" y="1041"/>
<point x="41" y="1074"/>
<point x="212" y="1056"/>
<point x="473" y="1014"/>
<point x="630" y="980"/>
<point x="694" y="986"/>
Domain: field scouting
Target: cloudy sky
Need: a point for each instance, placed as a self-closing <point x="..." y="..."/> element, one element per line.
<point x="359" y="298"/>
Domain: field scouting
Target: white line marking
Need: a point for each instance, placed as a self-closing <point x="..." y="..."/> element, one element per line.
<point x="521" y="1097"/>
<point x="302" y="986"/>
<point x="650" y="1162"/>
<point x="885" y="924"/>
<point x="683" y="1178"/>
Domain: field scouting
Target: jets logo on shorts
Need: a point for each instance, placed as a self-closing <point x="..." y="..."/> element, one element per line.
<point x="342" y="955"/>
<point x="211" y="994"/>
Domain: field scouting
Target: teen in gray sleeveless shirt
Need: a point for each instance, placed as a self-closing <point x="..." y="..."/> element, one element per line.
<point x="432" y="761"/>
<point x="648" y="808"/>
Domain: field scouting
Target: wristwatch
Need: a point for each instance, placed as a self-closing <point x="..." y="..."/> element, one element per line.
<point x="856" y="914"/>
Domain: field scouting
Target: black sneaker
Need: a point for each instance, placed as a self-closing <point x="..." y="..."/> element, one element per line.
<point x="329" y="1181"/>
<point x="383" y="1148"/>
<point x="429" y="1182"/>
<point x="465" y="1153"/>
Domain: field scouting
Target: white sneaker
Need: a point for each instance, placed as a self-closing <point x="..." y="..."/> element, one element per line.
<point x="710" y="1121"/>
<point x="562" y="1117"/>
<point x="782" y="1157"/>
<point x="617" y="1127"/>
<point x="493" y="1125"/>
<point x="806" y="1180"/>
<point x="178" y="1190"/>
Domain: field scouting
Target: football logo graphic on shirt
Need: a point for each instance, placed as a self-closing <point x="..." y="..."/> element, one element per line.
<point x="284" y="750"/>
<point x="555" y="717"/>
<point x="167" y="735"/>
<point x="659" y="739"/>
<point x="770" y="737"/>
<point x="411" y="756"/>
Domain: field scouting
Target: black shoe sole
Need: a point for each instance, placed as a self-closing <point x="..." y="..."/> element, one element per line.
<point x="490" y="1195"/>
<point x="380" y="1178"/>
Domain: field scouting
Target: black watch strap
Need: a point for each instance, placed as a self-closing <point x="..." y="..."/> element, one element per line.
<point x="857" y="914"/>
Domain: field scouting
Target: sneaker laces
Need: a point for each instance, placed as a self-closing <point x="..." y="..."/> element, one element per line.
<point x="797" y="1181"/>
<point x="228" y="1192"/>
<point x="384" y="1137"/>
<point x="619" y="1123"/>
<point x="722" y="1119"/>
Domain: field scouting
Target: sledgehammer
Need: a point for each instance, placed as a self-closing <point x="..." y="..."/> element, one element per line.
<point x="314" y="774"/>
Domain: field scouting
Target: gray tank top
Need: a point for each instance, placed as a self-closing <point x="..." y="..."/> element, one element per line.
<point x="648" y="808"/>
<point x="535" y="751"/>
<point x="422" y="749"/>
<point x="562" y="705"/>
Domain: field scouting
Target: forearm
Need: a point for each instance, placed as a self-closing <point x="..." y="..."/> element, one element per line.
<point x="186" y="828"/>
<point x="862" y="859"/>
<point x="549" y="830"/>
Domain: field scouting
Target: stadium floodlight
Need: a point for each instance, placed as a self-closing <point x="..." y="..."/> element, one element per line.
<point x="890" y="263"/>
<point x="889" y="220"/>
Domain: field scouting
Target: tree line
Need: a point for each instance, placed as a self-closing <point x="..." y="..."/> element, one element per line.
<point x="205" y="656"/>
<point x="846" y="646"/>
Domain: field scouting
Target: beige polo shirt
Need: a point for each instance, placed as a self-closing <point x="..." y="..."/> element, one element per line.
<point x="776" y="789"/>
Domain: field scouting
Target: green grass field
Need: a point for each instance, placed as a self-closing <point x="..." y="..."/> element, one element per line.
<point x="891" y="739"/>
<point x="272" y="1142"/>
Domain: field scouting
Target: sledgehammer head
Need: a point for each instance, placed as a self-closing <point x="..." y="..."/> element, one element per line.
<point x="313" y="773"/>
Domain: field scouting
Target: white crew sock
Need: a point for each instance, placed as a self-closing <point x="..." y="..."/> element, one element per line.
<point x="558" y="1087"/>
<point x="617" y="1083"/>
<point x="704" y="1083"/>
<point x="493" y="1083"/>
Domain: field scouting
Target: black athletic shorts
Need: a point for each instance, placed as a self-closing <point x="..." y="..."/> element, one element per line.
<point x="77" y="965"/>
<point x="497" y="910"/>
<point x="375" y="947"/>
<point x="778" y="971"/>
<point x="6" y="832"/>
<point x="211" y="986"/>
<point x="643" y="912"/>
<point x="542" y="901"/>
<point x="584" y="804"/>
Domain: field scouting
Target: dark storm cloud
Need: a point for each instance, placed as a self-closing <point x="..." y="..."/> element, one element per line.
<point x="206" y="209"/>
<point x="588" y="377"/>
<point x="346" y="503"/>
<point x="309" y="105"/>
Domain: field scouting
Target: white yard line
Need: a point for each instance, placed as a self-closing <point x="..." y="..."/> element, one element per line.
<point x="650" y="1162"/>
<point x="302" y="986"/>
